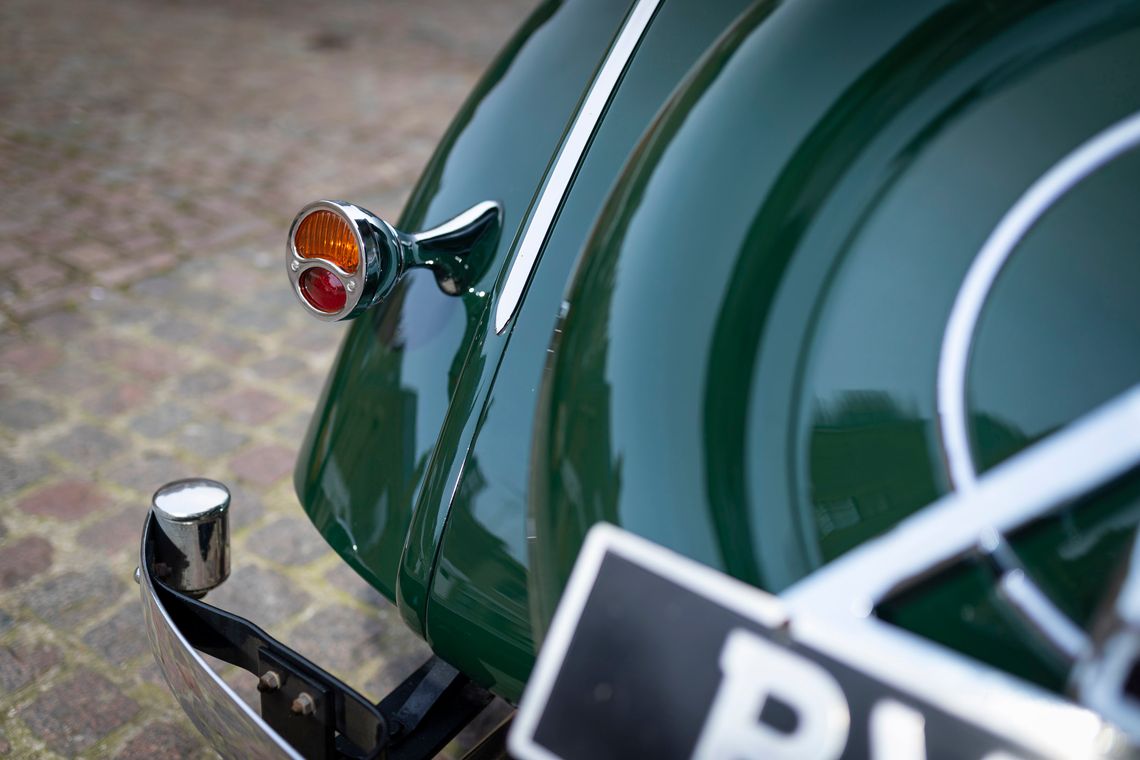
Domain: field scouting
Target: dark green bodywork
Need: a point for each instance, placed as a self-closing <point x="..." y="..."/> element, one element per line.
<point x="746" y="289"/>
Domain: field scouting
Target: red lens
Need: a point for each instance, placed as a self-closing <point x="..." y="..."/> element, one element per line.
<point x="323" y="290"/>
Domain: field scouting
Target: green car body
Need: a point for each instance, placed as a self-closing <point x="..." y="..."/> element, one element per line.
<point x="731" y="342"/>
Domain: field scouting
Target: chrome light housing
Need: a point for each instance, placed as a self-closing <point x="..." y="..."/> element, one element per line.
<point x="343" y="259"/>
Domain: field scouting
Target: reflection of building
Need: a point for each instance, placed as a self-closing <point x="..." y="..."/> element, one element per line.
<point x="872" y="461"/>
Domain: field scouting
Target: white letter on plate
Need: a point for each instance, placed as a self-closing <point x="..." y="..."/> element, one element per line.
<point x="898" y="732"/>
<point x="753" y="669"/>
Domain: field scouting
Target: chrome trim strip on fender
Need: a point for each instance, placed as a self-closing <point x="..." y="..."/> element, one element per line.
<point x="958" y="338"/>
<point x="569" y="157"/>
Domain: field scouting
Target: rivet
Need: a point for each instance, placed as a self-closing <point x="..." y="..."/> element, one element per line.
<point x="303" y="704"/>
<point x="138" y="575"/>
<point x="269" y="681"/>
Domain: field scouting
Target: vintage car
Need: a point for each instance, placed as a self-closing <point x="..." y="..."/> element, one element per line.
<point x="768" y="371"/>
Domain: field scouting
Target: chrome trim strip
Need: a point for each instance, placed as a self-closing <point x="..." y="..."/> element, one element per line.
<point x="231" y="726"/>
<point x="569" y="157"/>
<point x="953" y="362"/>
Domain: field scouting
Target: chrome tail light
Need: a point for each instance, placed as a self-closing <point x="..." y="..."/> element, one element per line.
<point x="343" y="259"/>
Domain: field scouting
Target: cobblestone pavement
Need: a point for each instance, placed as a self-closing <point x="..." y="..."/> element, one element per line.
<point x="152" y="153"/>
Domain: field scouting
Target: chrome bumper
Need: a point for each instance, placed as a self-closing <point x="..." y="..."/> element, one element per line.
<point x="305" y="711"/>
<point x="228" y="723"/>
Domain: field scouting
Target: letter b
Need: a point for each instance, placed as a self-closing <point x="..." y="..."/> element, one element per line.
<point x="754" y="669"/>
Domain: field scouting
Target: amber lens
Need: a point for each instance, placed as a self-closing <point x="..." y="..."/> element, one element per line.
<point x="325" y="235"/>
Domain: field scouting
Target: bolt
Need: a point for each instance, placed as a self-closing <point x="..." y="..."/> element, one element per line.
<point x="269" y="681"/>
<point x="350" y="286"/>
<point x="294" y="265"/>
<point x="303" y="704"/>
<point x="138" y="575"/>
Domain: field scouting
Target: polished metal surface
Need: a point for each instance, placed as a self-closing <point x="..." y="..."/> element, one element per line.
<point x="458" y="223"/>
<point x="447" y="249"/>
<point x="954" y="360"/>
<point x="1102" y="681"/>
<point x="192" y="550"/>
<point x="191" y="500"/>
<point x="231" y="726"/>
<point x="379" y="260"/>
<point x="569" y="157"/>
<point x="1103" y="678"/>
<point x="452" y="250"/>
<point x="1022" y="595"/>
<point x="1031" y="605"/>
<point x="1015" y="587"/>
<point x="1050" y="625"/>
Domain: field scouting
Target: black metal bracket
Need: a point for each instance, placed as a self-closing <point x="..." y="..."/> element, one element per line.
<point x="429" y="708"/>
<point x="291" y="701"/>
<point x="321" y="717"/>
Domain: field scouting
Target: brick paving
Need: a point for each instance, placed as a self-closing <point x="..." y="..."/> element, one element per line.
<point x="152" y="154"/>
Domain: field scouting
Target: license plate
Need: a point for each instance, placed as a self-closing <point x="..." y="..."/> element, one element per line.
<point x="653" y="655"/>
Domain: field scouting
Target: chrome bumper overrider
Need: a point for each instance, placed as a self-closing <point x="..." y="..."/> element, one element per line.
<point x="231" y="726"/>
<point x="305" y="711"/>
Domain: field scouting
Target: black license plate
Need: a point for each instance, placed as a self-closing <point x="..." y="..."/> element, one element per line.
<point x="652" y="655"/>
